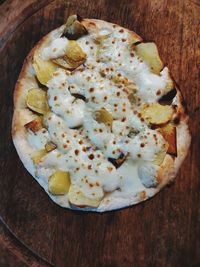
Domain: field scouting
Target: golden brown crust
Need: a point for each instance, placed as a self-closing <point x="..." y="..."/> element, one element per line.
<point x="26" y="80"/>
<point x="95" y="24"/>
<point x="23" y="115"/>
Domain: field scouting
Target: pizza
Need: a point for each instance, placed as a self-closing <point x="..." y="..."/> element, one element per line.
<point x="98" y="120"/>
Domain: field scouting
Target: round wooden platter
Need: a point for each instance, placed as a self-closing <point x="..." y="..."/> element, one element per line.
<point x="164" y="231"/>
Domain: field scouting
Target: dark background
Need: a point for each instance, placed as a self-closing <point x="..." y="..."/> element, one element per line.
<point x="162" y="232"/>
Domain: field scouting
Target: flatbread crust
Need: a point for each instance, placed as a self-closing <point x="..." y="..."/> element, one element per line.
<point x="23" y="115"/>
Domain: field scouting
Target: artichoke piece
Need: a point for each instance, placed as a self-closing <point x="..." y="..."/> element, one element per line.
<point x="37" y="100"/>
<point x="156" y="114"/>
<point x="44" y="69"/>
<point x="73" y="58"/>
<point x="103" y="116"/>
<point x="74" y="52"/>
<point x="132" y="133"/>
<point x="59" y="183"/>
<point x="149" y="52"/>
<point x="77" y="198"/>
<point x="79" y="96"/>
<point x="73" y="28"/>
<point x="168" y="98"/>
<point x="34" y="125"/>
<point x="50" y="146"/>
<point x="38" y="156"/>
<point x="118" y="162"/>
<point x="65" y="63"/>
<point x="132" y="88"/>
<point x="102" y="35"/>
<point x="104" y="48"/>
<point x="102" y="52"/>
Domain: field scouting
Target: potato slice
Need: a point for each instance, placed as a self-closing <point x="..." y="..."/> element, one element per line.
<point x="38" y="156"/>
<point x="156" y="114"/>
<point x="77" y="198"/>
<point x="169" y="134"/>
<point x="103" y="116"/>
<point x="44" y="69"/>
<point x="34" y="125"/>
<point x="73" y="28"/>
<point x="73" y="58"/>
<point x="37" y="100"/>
<point x="59" y="183"/>
<point x="50" y="146"/>
<point x="149" y="52"/>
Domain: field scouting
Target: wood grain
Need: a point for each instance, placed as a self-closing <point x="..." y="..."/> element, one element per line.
<point x="14" y="253"/>
<point x="162" y="232"/>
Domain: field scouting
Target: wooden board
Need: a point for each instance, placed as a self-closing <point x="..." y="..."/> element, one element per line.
<point x="14" y="253"/>
<point x="164" y="231"/>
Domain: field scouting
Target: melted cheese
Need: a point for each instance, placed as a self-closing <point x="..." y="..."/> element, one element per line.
<point x="38" y="140"/>
<point x="102" y="80"/>
<point x="56" y="49"/>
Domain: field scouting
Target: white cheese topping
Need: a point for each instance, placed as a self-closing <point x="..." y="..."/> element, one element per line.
<point x="56" y="49"/>
<point x="38" y="140"/>
<point x="63" y="103"/>
<point x="103" y="81"/>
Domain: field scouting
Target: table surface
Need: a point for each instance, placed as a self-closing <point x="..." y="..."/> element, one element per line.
<point x="163" y="231"/>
